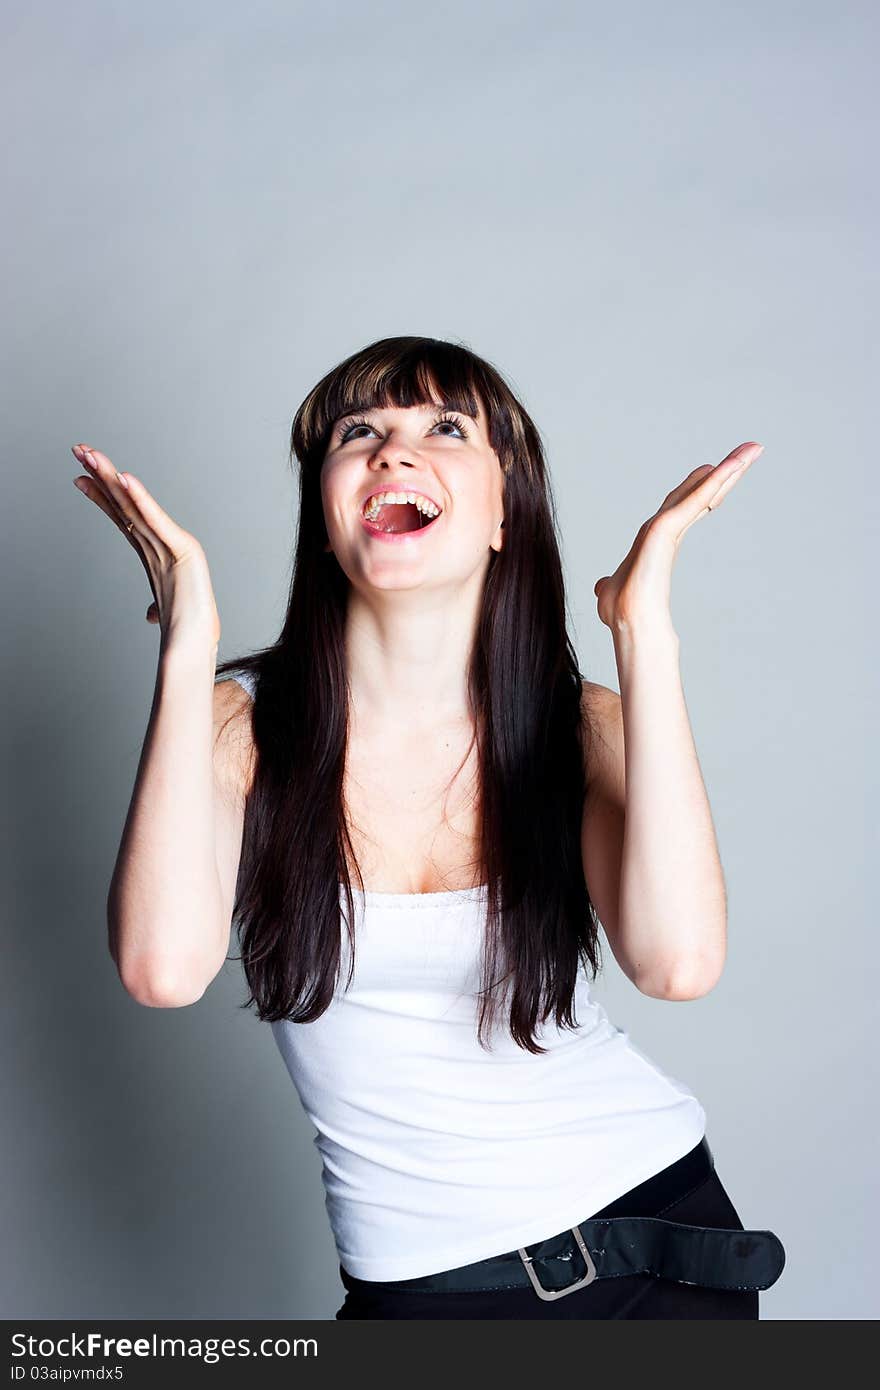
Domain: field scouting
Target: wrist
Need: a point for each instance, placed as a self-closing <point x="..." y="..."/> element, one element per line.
<point x="645" y="633"/>
<point x="190" y="651"/>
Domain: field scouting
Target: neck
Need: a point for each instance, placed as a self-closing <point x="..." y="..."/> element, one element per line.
<point x="407" y="654"/>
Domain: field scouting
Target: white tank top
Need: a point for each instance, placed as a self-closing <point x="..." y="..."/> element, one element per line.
<point x="436" y="1152"/>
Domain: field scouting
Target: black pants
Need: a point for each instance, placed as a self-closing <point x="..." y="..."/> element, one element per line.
<point x="670" y="1194"/>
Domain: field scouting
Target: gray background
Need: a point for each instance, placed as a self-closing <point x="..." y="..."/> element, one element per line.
<point x="658" y="222"/>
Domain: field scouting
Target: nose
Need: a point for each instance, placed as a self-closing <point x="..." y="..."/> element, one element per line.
<point x="386" y="465"/>
<point x="391" y="452"/>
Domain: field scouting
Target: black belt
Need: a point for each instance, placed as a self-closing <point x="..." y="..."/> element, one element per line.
<point x="608" y="1247"/>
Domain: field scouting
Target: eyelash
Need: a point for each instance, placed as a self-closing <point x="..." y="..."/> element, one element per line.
<point x="444" y="419"/>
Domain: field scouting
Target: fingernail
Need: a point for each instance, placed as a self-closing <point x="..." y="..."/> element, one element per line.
<point x="748" y="456"/>
<point x="122" y="480"/>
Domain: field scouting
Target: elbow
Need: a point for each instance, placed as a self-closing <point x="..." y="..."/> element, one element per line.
<point x="684" y="982"/>
<point x="691" y="989"/>
<point x="156" y="991"/>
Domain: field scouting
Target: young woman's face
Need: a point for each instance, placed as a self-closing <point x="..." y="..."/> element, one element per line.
<point x="440" y="456"/>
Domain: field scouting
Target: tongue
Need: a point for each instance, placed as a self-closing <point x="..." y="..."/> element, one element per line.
<point x="399" y="516"/>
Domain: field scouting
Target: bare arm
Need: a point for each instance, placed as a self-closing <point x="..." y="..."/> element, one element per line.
<point x="643" y="827"/>
<point x="169" y="907"/>
<point x="170" y="903"/>
<point x="650" y="814"/>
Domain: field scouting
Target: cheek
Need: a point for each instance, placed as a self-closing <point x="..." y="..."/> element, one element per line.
<point x="332" y="493"/>
<point x="478" y="507"/>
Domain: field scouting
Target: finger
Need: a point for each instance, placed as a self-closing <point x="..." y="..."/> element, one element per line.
<point x="125" y="489"/>
<point x="740" y="457"/>
<point x="95" y="474"/>
<point x="92" y="489"/>
<point x="139" y="537"/>
<point x="111" y="482"/>
<point x="728" y="473"/>
<point x="709" y="492"/>
<point x="130" y="502"/>
<point x="177" y="540"/>
<point x="101" y="468"/>
<point x="687" y="485"/>
<point x="143" y="543"/>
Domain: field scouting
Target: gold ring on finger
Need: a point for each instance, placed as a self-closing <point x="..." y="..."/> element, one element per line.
<point x="129" y="527"/>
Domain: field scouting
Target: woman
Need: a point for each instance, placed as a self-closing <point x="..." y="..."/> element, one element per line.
<point x="493" y="1147"/>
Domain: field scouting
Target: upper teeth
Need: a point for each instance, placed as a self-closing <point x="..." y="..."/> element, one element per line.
<point x="380" y="499"/>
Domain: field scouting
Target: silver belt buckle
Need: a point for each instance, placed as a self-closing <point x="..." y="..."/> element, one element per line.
<point x="569" y="1288"/>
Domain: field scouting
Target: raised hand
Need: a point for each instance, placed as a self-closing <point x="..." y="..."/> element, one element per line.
<point x="638" y="592"/>
<point x="183" y="598"/>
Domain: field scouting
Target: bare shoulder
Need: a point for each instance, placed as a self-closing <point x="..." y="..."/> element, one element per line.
<point x="604" y="752"/>
<point x="599" y="697"/>
<point x="233" y="740"/>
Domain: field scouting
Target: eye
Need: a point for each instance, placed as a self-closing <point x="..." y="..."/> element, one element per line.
<point x="347" y="430"/>
<point x="452" y="420"/>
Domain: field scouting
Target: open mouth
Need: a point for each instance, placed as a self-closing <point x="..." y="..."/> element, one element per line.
<point x="398" y="517"/>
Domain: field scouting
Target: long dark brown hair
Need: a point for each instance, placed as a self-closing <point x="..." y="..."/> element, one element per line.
<point x="525" y="696"/>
